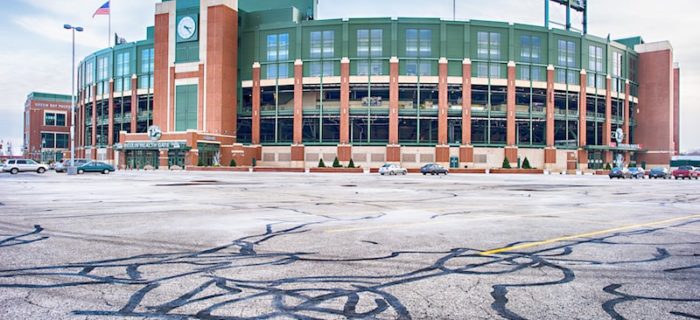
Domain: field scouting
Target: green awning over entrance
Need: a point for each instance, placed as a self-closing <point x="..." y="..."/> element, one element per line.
<point x="628" y="147"/>
<point x="152" y="145"/>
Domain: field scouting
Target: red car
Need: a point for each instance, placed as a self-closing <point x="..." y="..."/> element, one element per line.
<point x="685" y="172"/>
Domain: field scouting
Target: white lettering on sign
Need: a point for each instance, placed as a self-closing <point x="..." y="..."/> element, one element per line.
<point x="50" y="105"/>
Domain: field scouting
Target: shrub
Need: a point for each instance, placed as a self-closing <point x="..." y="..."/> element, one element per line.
<point x="526" y="164"/>
<point x="336" y="163"/>
<point x="255" y="162"/>
<point x="232" y="163"/>
<point x="200" y="162"/>
<point x="506" y="164"/>
<point x="607" y="166"/>
<point x="321" y="164"/>
<point x="351" y="164"/>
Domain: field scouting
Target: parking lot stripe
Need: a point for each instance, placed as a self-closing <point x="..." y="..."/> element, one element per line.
<point x="585" y="235"/>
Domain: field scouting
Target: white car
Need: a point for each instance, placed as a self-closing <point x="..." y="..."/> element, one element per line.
<point x="392" y="169"/>
<point x="63" y="165"/>
<point x="15" y="166"/>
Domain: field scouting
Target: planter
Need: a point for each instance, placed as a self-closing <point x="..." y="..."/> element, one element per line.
<point x="516" y="171"/>
<point x="217" y="169"/>
<point x="336" y="170"/>
<point x="272" y="169"/>
<point x="602" y="172"/>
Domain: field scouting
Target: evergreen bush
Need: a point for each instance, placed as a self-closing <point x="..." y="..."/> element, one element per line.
<point x="321" y="164"/>
<point x="351" y="164"/>
<point x="526" y="164"/>
<point x="232" y="163"/>
<point x="506" y="164"/>
<point x="336" y="163"/>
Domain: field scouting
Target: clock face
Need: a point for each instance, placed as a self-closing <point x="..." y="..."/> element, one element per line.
<point x="186" y="28"/>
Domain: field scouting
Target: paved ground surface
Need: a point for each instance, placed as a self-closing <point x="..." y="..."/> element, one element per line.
<point x="303" y="246"/>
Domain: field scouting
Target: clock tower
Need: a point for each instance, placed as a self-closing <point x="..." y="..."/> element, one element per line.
<point x="195" y="74"/>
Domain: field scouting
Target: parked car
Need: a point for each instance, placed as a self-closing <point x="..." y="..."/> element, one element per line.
<point x="433" y="169"/>
<point x="685" y="172"/>
<point x="95" y="166"/>
<point x="659" y="173"/>
<point x="63" y="165"/>
<point x="636" y="172"/>
<point x="392" y="169"/>
<point x="619" y="173"/>
<point x="15" y="166"/>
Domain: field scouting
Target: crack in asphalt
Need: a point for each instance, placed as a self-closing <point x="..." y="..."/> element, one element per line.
<point x="313" y="297"/>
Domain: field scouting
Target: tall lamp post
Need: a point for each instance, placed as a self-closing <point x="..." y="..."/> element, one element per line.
<point x="72" y="169"/>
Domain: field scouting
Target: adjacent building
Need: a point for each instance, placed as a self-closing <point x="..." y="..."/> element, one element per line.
<point x="266" y="82"/>
<point x="47" y="121"/>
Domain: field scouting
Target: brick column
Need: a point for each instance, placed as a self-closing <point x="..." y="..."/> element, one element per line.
<point x="163" y="159"/>
<point x="82" y="124"/>
<point x="607" y="126"/>
<point x="134" y="103"/>
<point x="442" y="150"/>
<point x="582" y="125"/>
<point x="466" y="150"/>
<point x="550" y="152"/>
<point x="393" y="150"/>
<point x="221" y="68"/>
<point x="626" y="120"/>
<point x="110" y="125"/>
<point x="344" y="148"/>
<point x="255" y="127"/>
<point x="511" y="150"/>
<point x="298" y="147"/>
<point x="161" y="72"/>
<point x="93" y="154"/>
<point x="78" y="124"/>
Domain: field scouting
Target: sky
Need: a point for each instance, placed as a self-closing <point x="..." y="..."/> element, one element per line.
<point x="36" y="50"/>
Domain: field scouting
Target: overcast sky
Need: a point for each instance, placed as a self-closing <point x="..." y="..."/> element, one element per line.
<point x="36" y="50"/>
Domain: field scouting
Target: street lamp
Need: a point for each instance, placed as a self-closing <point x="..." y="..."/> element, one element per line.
<point x="71" y="169"/>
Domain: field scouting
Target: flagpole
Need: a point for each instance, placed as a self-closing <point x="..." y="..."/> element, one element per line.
<point x="109" y="34"/>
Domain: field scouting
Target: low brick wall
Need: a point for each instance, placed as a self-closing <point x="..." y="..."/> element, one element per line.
<point x="272" y="169"/>
<point x="516" y="171"/>
<point x="468" y="171"/>
<point x="336" y="170"/>
<point x="217" y="169"/>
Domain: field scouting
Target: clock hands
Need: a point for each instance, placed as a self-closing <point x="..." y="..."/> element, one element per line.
<point x="187" y="28"/>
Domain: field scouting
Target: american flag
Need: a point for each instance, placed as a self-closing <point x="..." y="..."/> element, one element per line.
<point x="103" y="10"/>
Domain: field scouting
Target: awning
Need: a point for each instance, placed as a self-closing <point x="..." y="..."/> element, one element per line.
<point x="620" y="147"/>
<point x="152" y="145"/>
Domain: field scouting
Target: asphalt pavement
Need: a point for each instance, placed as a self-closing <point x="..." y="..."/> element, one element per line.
<point x="180" y="245"/>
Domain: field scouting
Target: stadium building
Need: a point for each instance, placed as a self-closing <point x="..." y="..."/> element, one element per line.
<point x="265" y="82"/>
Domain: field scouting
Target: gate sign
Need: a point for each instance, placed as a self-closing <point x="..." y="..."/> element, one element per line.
<point x="619" y="135"/>
<point x="150" y="145"/>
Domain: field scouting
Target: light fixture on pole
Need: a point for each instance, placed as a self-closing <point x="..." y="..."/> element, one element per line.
<point x="72" y="170"/>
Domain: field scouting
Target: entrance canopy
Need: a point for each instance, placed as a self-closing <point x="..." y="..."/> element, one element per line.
<point x="620" y="147"/>
<point x="152" y="145"/>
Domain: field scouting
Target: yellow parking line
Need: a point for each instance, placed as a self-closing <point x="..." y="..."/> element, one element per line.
<point x="585" y="235"/>
<point x="385" y="226"/>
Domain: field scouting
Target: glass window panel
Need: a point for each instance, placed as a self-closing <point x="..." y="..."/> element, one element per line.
<point x="283" y="47"/>
<point x="412" y="42"/>
<point x="316" y="45"/>
<point x="328" y="44"/>
<point x="363" y="43"/>
<point x="376" y="45"/>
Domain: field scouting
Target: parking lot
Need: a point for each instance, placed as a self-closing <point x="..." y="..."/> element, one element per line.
<point x="175" y="245"/>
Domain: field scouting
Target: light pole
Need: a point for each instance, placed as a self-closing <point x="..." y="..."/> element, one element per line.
<point x="71" y="169"/>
